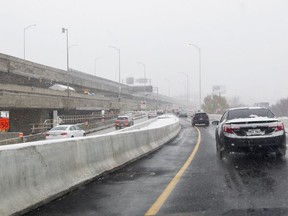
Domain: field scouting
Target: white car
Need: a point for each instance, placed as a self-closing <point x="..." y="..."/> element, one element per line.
<point x="65" y="131"/>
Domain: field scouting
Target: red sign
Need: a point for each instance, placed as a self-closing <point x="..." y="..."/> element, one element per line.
<point x="4" y="124"/>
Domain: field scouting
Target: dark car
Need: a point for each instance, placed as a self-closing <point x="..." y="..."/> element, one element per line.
<point x="160" y="112"/>
<point x="251" y="129"/>
<point x="200" y="118"/>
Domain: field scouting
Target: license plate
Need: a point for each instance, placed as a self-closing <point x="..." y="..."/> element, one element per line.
<point x="254" y="132"/>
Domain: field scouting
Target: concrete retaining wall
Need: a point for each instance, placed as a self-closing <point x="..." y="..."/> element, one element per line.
<point x="35" y="173"/>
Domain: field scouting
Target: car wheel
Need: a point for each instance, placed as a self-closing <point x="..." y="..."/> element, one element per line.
<point x="220" y="151"/>
<point x="193" y="124"/>
<point x="84" y="134"/>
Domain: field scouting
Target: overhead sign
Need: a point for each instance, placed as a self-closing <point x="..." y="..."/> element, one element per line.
<point x="130" y="80"/>
<point x="142" y="80"/>
<point x="4" y="114"/>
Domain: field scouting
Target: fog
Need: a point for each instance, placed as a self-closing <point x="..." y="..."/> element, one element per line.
<point x="243" y="43"/>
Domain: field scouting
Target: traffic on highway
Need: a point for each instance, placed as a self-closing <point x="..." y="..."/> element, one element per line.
<point x="133" y="107"/>
<point x="185" y="176"/>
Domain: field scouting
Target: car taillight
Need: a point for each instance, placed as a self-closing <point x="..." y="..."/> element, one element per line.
<point x="126" y="122"/>
<point x="279" y="127"/>
<point x="64" y="133"/>
<point x="229" y="129"/>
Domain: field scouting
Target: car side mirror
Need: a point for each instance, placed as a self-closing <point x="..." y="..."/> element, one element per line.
<point x="215" y="123"/>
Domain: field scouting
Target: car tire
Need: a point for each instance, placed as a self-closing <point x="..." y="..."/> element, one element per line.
<point x="193" y="124"/>
<point x="84" y="134"/>
<point x="220" y="152"/>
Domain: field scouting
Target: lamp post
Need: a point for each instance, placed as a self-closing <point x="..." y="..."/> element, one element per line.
<point x="187" y="86"/>
<point x="145" y="81"/>
<point x="65" y="30"/>
<point x="27" y="27"/>
<point x="95" y="62"/>
<point x="199" y="50"/>
<point x="157" y="101"/>
<point x="71" y="46"/>
<point x="119" y="81"/>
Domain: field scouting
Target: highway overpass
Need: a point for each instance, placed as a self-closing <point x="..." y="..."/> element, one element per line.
<point x="25" y="92"/>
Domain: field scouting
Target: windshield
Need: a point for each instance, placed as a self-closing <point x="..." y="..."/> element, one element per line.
<point x="156" y="107"/>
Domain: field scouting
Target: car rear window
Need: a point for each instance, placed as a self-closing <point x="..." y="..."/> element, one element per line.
<point x="201" y="115"/>
<point x="122" y="118"/>
<point x="59" y="128"/>
<point x="249" y="113"/>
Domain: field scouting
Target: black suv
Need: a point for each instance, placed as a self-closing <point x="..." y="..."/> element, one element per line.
<point x="251" y="129"/>
<point x="200" y="118"/>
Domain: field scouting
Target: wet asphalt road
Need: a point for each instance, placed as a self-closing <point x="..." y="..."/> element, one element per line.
<point x="238" y="185"/>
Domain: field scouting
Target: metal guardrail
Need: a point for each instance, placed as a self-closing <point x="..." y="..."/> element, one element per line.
<point x="70" y="119"/>
<point x="89" y="128"/>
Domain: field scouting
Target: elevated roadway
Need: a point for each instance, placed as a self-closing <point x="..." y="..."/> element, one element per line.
<point x="25" y="93"/>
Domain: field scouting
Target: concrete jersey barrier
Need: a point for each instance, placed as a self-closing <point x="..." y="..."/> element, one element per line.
<point x="36" y="173"/>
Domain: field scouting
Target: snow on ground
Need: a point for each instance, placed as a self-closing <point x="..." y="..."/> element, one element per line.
<point x="162" y="121"/>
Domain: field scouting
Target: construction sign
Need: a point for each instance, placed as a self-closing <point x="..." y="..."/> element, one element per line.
<point x="4" y="121"/>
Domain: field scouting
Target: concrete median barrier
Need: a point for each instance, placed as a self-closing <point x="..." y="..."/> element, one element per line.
<point x="36" y="173"/>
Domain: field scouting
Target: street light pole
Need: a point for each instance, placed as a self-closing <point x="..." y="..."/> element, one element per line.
<point x="119" y="81"/>
<point x="27" y="27"/>
<point x="200" y="89"/>
<point x="187" y="87"/>
<point x="145" y="81"/>
<point x="95" y="62"/>
<point x="65" y="30"/>
<point x="157" y="101"/>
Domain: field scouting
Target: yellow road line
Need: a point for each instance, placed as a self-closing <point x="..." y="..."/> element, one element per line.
<point x="165" y="194"/>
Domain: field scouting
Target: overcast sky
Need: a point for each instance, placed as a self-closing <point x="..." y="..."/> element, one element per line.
<point x="243" y="42"/>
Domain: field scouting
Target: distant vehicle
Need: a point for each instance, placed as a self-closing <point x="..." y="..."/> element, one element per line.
<point x="183" y="114"/>
<point x="160" y="112"/>
<point x="200" y="118"/>
<point x="123" y="121"/>
<point x="250" y="129"/>
<point x="65" y="131"/>
<point x="152" y="114"/>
